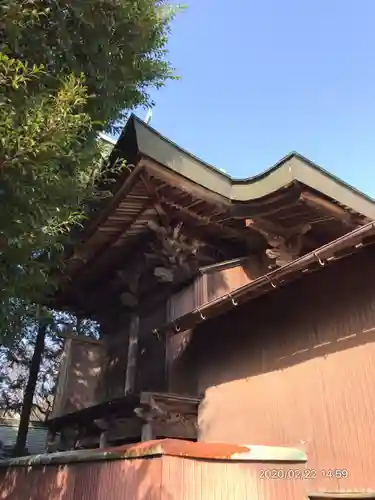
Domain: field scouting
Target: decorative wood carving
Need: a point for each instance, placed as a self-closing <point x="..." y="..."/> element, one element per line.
<point x="168" y="418"/>
<point x="285" y="244"/>
<point x="176" y="253"/>
<point x="164" y="274"/>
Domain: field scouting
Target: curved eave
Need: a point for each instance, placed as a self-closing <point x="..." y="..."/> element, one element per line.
<point x="292" y="168"/>
<point x="292" y="193"/>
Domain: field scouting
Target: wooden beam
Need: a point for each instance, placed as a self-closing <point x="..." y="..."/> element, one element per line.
<point x="200" y="231"/>
<point x="173" y="179"/>
<point x="330" y="209"/>
<point x="113" y="203"/>
<point x="113" y="239"/>
<point x="153" y="191"/>
<point x="131" y="367"/>
<point x="89" y="340"/>
<point x="205" y="221"/>
<point x="100" y="254"/>
<point x="152" y="203"/>
<point x="269" y="206"/>
<point x="273" y="229"/>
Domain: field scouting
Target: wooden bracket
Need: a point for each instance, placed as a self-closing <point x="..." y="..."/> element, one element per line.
<point x="285" y="243"/>
<point x="168" y="415"/>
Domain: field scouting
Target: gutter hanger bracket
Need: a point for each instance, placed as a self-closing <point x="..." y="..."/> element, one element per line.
<point x="176" y="327"/>
<point x="234" y="301"/>
<point x="321" y="262"/>
<point x="201" y="314"/>
<point x="271" y="282"/>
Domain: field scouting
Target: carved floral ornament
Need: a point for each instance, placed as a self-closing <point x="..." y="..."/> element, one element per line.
<point x="283" y="248"/>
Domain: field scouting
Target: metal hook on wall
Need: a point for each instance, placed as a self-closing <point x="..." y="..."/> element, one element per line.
<point x="271" y="282"/>
<point x="177" y="328"/>
<point x="321" y="262"/>
<point x="234" y="301"/>
<point x="201" y="314"/>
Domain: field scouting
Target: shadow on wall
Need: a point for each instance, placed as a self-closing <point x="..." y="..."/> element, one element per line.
<point x="29" y="483"/>
<point x="138" y="479"/>
<point x="84" y="374"/>
<point x="295" y="343"/>
<point x="80" y="376"/>
<point x="323" y="313"/>
<point x="112" y="383"/>
<point x="184" y="348"/>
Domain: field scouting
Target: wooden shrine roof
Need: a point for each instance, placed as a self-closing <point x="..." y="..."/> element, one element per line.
<point x="291" y="168"/>
<point x="163" y="181"/>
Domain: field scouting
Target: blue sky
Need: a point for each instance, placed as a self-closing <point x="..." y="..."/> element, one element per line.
<point x="260" y="79"/>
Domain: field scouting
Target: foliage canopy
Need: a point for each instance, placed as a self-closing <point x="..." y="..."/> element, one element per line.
<point x="119" y="46"/>
<point x="67" y="70"/>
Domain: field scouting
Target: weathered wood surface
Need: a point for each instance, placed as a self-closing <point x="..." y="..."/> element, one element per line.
<point x="168" y="415"/>
<point x="80" y="374"/>
<point x="132" y="355"/>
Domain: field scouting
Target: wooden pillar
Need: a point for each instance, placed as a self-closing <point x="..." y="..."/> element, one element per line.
<point x="147" y="432"/>
<point x="168" y="359"/>
<point x="131" y="368"/>
<point x="103" y="440"/>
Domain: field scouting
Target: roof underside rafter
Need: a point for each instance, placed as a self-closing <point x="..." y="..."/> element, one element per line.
<point x="291" y="209"/>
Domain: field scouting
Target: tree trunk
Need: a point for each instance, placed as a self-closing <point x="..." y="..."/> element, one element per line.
<point x="28" y="396"/>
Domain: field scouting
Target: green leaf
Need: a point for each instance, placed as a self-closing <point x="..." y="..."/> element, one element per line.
<point x="67" y="70"/>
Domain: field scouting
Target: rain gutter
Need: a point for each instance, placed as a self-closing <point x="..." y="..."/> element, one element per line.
<point x="272" y="280"/>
